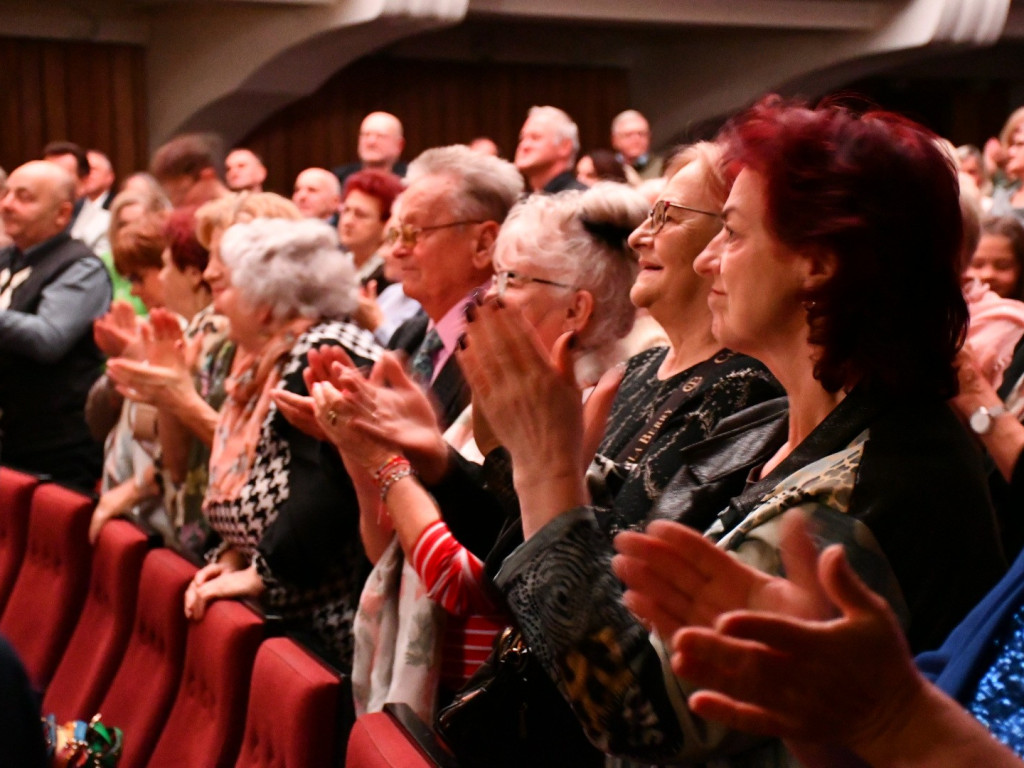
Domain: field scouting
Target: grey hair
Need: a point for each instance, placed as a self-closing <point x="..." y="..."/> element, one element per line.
<point x="565" y="128"/>
<point x="488" y="186"/>
<point x="294" y="267"/>
<point x="582" y="237"/>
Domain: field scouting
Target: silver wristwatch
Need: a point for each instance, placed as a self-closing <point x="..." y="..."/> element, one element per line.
<point x="981" y="420"/>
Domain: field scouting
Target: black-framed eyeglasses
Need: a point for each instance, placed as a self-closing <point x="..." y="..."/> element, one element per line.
<point x="507" y="278"/>
<point x="410" y="235"/>
<point x="659" y="214"/>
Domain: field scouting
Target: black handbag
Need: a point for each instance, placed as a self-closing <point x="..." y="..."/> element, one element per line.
<point x="510" y="714"/>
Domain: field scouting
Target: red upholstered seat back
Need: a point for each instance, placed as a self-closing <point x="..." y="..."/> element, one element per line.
<point x="47" y="596"/>
<point x="382" y="740"/>
<point x="97" y="645"/>
<point x="293" y="703"/>
<point x="143" y="689"/>
<point x="205" y="725"/>
<point x="15" y="501"/>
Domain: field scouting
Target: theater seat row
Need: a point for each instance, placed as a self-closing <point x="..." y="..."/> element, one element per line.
<point x="105" y="632"/>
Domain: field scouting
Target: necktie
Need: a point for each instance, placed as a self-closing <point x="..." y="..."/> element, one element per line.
<point x="423" y="360"/>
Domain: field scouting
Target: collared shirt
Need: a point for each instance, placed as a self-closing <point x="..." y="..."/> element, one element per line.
<point x="397" y="308"/>
<point x="450" y="328"/>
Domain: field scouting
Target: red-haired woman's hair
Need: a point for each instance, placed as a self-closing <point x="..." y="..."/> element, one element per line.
<point x="382" y="185"/>
<point x="875" y="190"/>
<point x="186" y="250"/>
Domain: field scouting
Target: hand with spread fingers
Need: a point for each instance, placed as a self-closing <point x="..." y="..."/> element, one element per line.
<point x="338" y="408"/>
<point x="117" y="332"/>
<point x="826" y="686"/>
<point x="531" y="401"/>
<point x="677" y="578"/>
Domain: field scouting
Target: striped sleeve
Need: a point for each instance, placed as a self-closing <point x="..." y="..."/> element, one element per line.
<point x="451" y="573"/>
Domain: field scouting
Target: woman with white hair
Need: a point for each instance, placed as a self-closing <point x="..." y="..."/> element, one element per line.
<point x="564" y="262"/>
<point x="284" y="510"/>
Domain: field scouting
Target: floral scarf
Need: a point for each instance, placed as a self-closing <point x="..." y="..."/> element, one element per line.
<point x="253" y="377"/>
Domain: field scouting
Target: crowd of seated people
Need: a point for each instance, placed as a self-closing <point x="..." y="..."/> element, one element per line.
<point x="718" y="440"/>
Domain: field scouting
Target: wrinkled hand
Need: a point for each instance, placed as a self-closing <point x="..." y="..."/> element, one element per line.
<point x="336" y="410"/>
<point x="847" y="681"/>
<point x="975" y="389"/>
<point x="164" y="340"/>
<point x="117" y="332"/>
<point x="403" y="417"/>
<point x="161" y="386"/>
<point x="108" y="507"/>
<point x="219" y="581"/>
<point x="299" y="411"/>
<point x="321" y="364"/>
<point x="676" y="578"/>
<point x="368" y="314"/>
<point x="528" y="396"/>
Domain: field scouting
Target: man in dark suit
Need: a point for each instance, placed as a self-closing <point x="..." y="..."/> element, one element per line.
<point x="381" y="141"/>
<point x="52" y="287"/>
<point x="450" y="215"/>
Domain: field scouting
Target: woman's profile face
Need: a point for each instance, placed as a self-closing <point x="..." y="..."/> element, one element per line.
<point x="756" y="282"/>
<point x="994" y="263"/>
<point x="666" y="278"/>
<point x="178" y="286"/>
<point x="147" y="287"/>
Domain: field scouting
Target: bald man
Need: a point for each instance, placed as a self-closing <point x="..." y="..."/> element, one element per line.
<point x="381" y="141"/>
<point x="52" y="287"/>
<point x="317" y="195"/>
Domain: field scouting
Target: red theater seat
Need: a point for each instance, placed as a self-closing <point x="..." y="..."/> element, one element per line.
<point x="97" y="645"/>
<point x="16" y="490"/>
<point x="293" y="706"/>
<point x="395" y="738"/>
<point x="47" y="596"/>
<point x="206" y="722"/>
<point x="143" y="689"/>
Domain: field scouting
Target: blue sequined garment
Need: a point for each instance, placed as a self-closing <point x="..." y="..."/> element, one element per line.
<point x="998" y="701"/>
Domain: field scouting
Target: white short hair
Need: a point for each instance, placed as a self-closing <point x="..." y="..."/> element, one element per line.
<point x="488" y="186"/>
<point x="294" y="267"/>
<point x="565" y="128"/>
<point x="582" y="237"/>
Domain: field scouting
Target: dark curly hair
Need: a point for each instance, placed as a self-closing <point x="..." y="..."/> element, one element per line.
<point x="875" y="190"/>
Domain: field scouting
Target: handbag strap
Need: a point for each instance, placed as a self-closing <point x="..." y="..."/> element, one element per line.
<point x="636" y="447"/>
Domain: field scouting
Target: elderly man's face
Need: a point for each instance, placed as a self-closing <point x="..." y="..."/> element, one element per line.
<point x="316" y="194"/>
<point x="632" y="137"/>
<point x="539" y="148"/>
<point x="438" y="268"/>
<point x="380" y="140"/>
<point x="32" y="208"/>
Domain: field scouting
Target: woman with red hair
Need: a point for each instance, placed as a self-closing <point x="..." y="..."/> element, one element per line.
<point x="837" y="267"/>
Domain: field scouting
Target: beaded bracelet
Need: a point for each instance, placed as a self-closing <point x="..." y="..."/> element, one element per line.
<point x="396" y="460"/>
<point x="395" y="469"/>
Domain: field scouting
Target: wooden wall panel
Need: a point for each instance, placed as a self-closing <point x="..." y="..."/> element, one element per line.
<point x="438" y="103"/>
<point x="90" y="93"/>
